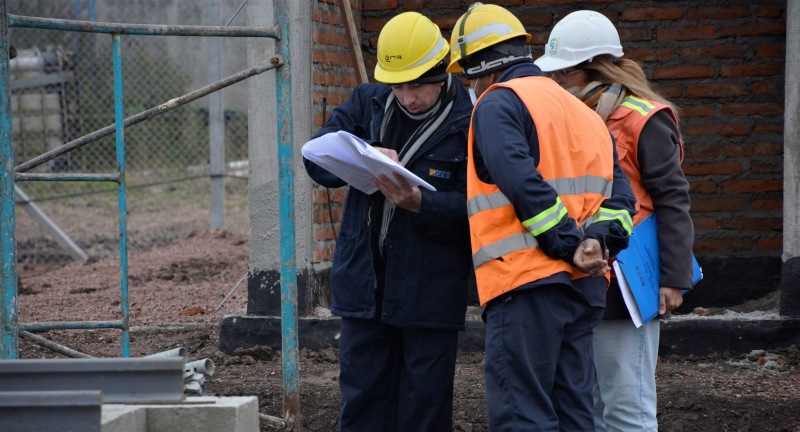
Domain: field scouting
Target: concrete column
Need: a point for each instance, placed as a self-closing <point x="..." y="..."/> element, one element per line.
<point x="790" y="274"/>
<point x="264" y="284"/>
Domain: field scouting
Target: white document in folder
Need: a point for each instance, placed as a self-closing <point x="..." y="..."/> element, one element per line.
<point x="351" y="159"/>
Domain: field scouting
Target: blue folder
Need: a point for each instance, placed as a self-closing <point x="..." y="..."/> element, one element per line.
<point x="638" y="271"/>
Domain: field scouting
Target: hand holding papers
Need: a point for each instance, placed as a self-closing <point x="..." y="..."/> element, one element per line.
<point x="638" y="271"/>
<point x="356" y="162"/>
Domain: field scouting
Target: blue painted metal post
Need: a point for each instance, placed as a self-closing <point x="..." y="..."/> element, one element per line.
<point x="8" y="221"/>
<point x="119" y="120"/>
<point x="291" y="395"/>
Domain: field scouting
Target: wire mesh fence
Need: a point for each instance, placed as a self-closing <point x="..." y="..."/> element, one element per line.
<point x="62" y="89"/>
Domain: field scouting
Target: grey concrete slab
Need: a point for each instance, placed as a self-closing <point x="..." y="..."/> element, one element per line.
<point x="195" y="414"/>
<point x="123" y="418"/>
<point x="732" y="335"/>
<point x="683" y="335"/>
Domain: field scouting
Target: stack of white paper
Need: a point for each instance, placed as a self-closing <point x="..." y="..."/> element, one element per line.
<point x="356" y="162"/>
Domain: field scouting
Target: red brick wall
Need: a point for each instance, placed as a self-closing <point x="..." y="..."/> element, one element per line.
<point x="722" y="64"/>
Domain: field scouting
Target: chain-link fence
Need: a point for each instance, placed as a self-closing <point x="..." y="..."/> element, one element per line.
<point x="62" y="89"/>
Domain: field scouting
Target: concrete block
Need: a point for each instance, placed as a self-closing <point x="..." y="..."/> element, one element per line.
<point x="688" y="334"/>
<point x="31" y="102"/>
<point x="52" y="123"/>
<point x="33" y="124"/>
<point x="123" y="418"/>
<point x="206" y="414"/>
<point x="52" y="102"/>
<point x="196" y="414"/>
<point x="246" y="331"/>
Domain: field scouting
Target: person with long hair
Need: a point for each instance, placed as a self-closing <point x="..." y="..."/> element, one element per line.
<point x="584" y="55"/>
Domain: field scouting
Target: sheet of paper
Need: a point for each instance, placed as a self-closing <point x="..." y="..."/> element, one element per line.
<point x="351" y="159"/>
<point x="627" y="295"/>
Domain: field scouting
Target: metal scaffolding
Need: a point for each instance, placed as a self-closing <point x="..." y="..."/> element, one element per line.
<point x="10" y="329"/>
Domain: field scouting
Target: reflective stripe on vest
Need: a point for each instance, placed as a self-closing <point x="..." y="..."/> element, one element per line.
<point x="510" y="244"/>
<point x="564" y="186"/>
<point x="622" y="216"/>
<point x="550" y="217"/>
<point x="546" y="219"/>
<point x="641" y="106"/>
<point x="626" y="124"/>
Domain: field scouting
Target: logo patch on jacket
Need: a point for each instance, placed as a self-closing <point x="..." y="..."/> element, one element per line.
<point x="439" y="173"/>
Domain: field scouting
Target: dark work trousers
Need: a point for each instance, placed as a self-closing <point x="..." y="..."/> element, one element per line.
<point x="396" y="379"/>
<point x="539" y="366"/>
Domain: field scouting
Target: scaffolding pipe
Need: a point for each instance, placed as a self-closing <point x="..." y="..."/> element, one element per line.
<point x="113" y="178"/>
<point x="53" y="346"/>
<point x="203" y="366"/>
<point x="122" y="208"/>
<point x="69" y="325"/>
<point x="139" y="29"/>
<point x="285" y="139"/>
<point x="216" y="124"/>
<point x="8" y="222"/>
<point x="262" y="67"/>
<point x="175" y="352"/>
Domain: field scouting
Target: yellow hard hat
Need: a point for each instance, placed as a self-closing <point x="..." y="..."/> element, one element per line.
<point x="482" y="26"/>
<point x="409" y="45"/>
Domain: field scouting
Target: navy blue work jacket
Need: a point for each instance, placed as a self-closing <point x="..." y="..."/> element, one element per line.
<point x="428" y="254"/>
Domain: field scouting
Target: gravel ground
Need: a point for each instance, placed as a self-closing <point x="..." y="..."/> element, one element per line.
<point x="175" y="287"/>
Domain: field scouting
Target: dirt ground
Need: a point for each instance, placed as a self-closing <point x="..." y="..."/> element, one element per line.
<point x="175" y="289"/>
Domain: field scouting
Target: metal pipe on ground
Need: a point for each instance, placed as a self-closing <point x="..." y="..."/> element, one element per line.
<point x="47" y="343"/>
<point x="204" y="366"/>
<point x="175" y="352"/>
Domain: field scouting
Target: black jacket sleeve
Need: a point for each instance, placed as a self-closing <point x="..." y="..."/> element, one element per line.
<point x="659" y="157"/>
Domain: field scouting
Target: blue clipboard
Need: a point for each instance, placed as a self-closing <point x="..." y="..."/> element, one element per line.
<point x="638" y="271"/>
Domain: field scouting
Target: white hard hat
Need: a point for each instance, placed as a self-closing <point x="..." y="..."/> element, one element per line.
<point x="579" y="37"/>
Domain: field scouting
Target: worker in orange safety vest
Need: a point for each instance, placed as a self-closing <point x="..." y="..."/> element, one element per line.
<point x="547" y="203"/>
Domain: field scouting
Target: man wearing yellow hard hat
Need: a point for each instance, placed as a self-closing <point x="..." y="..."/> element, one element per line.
<point x="402" y="260"/>
<point x="547" y="203"/>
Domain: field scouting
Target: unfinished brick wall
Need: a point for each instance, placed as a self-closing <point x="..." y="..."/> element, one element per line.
<point x="722" y="64"/>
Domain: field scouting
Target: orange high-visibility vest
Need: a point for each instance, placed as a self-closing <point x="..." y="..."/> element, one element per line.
<point x="576" y="159"/>
<point x="626" y="124"/>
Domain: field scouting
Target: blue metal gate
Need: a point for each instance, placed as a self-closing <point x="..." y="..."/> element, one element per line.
<point x="10" y="173"/>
